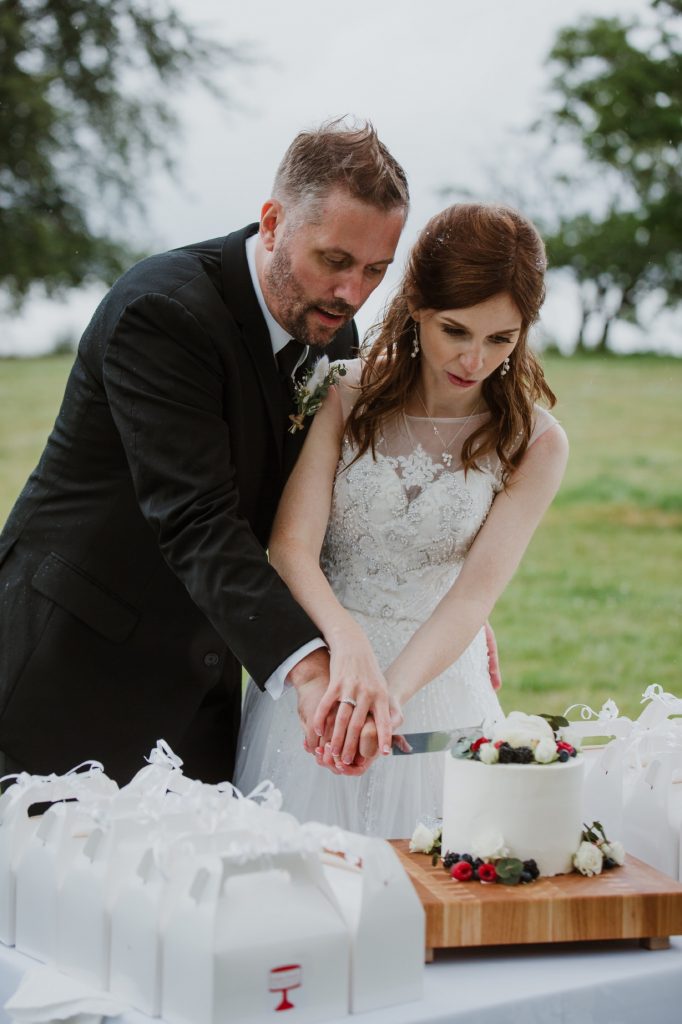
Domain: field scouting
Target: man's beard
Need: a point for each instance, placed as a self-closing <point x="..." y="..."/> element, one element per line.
<point x="293" y="306"/>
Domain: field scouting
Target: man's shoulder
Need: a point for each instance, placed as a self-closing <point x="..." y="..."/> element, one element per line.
<point x="165" y="273"/>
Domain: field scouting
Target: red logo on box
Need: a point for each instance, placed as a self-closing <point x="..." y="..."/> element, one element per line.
<point x="283" y="979"/>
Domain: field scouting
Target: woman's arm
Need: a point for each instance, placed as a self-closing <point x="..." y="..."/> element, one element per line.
<point x="490" y="564"/>
<point x="295" y="546"/>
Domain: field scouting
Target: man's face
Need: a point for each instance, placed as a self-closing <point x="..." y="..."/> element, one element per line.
<point x="319" y="266"/>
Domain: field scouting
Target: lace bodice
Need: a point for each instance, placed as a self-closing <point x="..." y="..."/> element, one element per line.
<point x="401" y="524"/>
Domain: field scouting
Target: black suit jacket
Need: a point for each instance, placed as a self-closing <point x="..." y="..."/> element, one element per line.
<point x="133" y="575"/>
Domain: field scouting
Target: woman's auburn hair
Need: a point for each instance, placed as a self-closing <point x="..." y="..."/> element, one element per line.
<point x="466" y="254"/>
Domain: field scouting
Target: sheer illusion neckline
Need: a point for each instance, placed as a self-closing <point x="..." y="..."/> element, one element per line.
<point x="446" y="419"/>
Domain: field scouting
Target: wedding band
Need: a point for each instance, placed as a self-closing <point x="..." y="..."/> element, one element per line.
<point x="349" y="700"/>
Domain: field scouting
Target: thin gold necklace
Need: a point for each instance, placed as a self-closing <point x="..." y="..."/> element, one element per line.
<point x="446" y="457"/>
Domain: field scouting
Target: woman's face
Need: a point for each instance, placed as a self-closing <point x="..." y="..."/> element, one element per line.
<point x="460" y="348"/>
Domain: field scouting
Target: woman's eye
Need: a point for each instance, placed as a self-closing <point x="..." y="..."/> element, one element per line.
<point x="500" y="339"/>
<point x="454" y="332"/>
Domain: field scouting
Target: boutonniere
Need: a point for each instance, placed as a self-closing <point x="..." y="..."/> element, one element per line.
<point x="310" y="392"/>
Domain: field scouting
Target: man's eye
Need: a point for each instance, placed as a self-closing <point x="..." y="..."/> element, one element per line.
<point x="334" y="261"/>
<point x="376" y="271"/>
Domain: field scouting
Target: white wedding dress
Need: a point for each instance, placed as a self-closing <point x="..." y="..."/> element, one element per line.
<point x="399" y="530"/>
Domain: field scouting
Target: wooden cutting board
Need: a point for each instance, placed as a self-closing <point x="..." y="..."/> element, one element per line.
<point x="631" y="902"/>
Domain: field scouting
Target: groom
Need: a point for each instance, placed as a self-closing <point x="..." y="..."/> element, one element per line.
<point x="134" y="580"/>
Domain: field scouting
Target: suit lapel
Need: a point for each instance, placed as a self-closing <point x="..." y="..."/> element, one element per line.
<point x="242" y="303"/>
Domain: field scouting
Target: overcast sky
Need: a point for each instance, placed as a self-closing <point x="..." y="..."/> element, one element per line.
<point x="451" y="87"/>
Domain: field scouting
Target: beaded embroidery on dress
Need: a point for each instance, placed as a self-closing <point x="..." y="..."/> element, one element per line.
<point x="399" y="529"/>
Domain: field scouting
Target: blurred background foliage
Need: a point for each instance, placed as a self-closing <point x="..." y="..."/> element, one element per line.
<point x="86" y="108"/>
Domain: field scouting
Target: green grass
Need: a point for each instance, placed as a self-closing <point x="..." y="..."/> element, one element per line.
<point x="595" y="609"/>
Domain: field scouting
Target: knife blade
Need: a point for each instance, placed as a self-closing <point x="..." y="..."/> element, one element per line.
<point x="433" y="741"/>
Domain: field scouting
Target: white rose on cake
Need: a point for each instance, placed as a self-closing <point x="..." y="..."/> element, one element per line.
<point x="614" y="851"/>
<point x="424" y="838"/>
<point x="489" y="846"/>
<point x="488" y="753"/>
<point x="546" y="752"/>
<point x="588" y="859"/>
<point x="521" y="730"/>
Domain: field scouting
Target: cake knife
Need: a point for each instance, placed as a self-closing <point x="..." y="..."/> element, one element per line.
<point x="433" y="741"/>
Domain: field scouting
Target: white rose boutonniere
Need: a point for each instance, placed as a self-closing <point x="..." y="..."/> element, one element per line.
<point x="312" y="390"/>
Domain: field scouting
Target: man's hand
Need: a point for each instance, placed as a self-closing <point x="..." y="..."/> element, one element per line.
<point x="310" y="677"/>
<point x="493" y="659"/>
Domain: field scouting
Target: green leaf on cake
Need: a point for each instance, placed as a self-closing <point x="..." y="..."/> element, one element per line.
<point x="556" y="722"/>
<point x="509" y="870"/>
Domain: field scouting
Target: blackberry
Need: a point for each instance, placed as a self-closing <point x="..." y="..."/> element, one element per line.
<point x="531" y="867"/>
<point x="609" y="862"/>
<point x="524" y="755"/>
<point x="507" y="754"/>
<point x="477" y="863"/>
<point x="449" y="859"/>
<point x="526" y="877"/>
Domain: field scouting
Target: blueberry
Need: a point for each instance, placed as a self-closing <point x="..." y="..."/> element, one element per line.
<point x="526" y="876"/>
<point x="564" y="755"/>
<point x="468" y="858"/>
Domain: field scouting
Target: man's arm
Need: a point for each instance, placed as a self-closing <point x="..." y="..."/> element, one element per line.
<point x="164" y="381"/>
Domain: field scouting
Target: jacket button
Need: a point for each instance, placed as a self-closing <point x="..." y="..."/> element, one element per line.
<point x="211" y="659"/>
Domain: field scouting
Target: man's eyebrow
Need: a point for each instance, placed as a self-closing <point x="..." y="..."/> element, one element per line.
<point x="349" y="256"/>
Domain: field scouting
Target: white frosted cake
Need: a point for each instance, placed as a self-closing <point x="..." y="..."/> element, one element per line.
<point x="527" y="810"/>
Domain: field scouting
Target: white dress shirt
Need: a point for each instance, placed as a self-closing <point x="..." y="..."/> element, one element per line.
<point x="279" y="338"/>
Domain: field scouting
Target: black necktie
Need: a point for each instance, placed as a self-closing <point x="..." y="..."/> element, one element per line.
<point x="287" y="358"/>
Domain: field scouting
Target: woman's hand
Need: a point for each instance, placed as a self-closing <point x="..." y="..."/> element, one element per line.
<point x="368" y="745"/>
<point x="357" y="691"/>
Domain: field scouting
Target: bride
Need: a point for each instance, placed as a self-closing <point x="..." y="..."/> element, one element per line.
<point x="420" y="484"/>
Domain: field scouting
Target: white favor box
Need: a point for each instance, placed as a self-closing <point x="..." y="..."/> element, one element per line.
<point x="387" y="924"/>
<point x="139" y="912"/>
<point x="60" y="834"/>
<point x="90" y="883"/>
<point x="603" y="791"/>
<point x="135" y="971"/>
<point x="246" y="941"/>
<point x="650" y="830"/>
<point x="16" y="829"/>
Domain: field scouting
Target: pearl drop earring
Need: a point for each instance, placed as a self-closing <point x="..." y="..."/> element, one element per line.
<point x="415" y="342"/>
<point x="505" y="367"/>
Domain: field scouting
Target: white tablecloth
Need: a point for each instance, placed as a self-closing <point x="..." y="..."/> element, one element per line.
<point x="589" y="983"/>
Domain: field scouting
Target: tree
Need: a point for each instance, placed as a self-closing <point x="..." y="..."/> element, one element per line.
<point x="618" y="92"/>
<point x="83" y="111"/>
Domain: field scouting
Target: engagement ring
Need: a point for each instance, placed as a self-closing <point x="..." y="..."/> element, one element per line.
<point x="349" y="700"/>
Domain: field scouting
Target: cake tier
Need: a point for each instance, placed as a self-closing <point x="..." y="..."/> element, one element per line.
<point x="535" y="808"/>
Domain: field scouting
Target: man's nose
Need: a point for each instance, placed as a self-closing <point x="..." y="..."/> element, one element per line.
<point x="353" y="288"/>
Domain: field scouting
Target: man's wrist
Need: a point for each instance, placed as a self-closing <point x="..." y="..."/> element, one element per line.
<point x="310" y="668"/>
